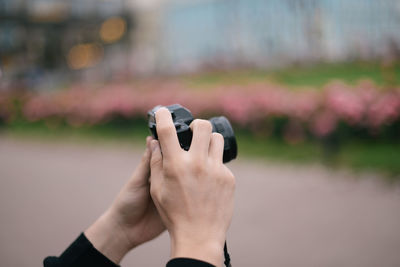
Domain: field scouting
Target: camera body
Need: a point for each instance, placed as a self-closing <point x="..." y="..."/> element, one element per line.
<point x="182" y="118"/>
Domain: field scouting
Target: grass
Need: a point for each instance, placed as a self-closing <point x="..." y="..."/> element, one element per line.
<point x="105" y="133"/>
<point x="372" y="156"/>
<point x="357" y="155"/>
<point x="313" y="75"/>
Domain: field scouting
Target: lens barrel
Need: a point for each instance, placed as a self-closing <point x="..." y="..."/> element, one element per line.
<point x="221" y="125"/>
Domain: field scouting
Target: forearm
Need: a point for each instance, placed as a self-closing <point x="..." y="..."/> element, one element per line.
<point x="108" y="237"/>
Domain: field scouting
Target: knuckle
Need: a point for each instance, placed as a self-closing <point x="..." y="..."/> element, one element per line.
<point x="198" y="168"/>
<point x="163" y="130"/>
<point x="196" y="122"/>
<point x="155" y="161"/>
<point x="228" y="179"/>
<point x="232" y="182"/>
<point x="175" y="167"/>
<point x="202" y="124"/>
<point x="213" y="164"/>
<point x="207" y="125"/>
<point x="199" y="159"/>
<point x="163" y="199"/>
<point x="217" y="137"/>
<point x="171" y="170"/>
<point x="154" y="192"/>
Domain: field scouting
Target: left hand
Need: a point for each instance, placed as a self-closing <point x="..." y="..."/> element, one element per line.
<point x="132" y="219"/>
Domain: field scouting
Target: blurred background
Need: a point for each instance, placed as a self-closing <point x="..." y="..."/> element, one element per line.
<point x="312" y="88"/>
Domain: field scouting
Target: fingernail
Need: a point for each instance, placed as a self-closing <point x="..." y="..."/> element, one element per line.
<point x="160" y="108"/>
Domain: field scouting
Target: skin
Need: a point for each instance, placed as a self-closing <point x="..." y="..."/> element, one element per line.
<point x="131" y="220"/>
<point x="192" y="190"/>
<point x="189" y="193"/>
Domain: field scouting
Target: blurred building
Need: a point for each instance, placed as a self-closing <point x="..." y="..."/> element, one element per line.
<point x="105" y="39"/>
<point x="270" y="33"/>
<point x="53" y="40"/>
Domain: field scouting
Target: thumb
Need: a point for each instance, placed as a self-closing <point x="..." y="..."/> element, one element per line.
<point x="155" y="161"/>
<point x="156" y="165"/>
<point x="142" y="172"/>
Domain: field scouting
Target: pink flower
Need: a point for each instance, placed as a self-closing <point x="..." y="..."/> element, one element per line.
<point x="344" y="101"/>
<point x="249" y="105"/>
<point x="324" y="123"/>
<point x="384" y="110"/>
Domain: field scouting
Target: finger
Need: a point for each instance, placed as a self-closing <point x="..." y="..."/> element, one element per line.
<point x="216" y="150"/>
<point x="156" y="162"/>
<point x="144" y="165"/>
<point x="201" y="137"/>
<point x="167" y="133"/>
<point x="148" y="141"/>
<point x="142" y="172"/>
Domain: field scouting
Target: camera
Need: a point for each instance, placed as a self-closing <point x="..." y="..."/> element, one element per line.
<point x="182" y="118"/>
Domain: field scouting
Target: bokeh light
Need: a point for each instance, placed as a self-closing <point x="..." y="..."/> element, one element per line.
<point x="112" y="29"/>
<point x="84" y="55"/>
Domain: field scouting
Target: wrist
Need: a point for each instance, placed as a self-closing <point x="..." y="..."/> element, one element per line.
<point x="108" y="237"/>
<point x="210" y="250"/>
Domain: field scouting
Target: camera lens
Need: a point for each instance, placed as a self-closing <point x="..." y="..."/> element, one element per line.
<point x="182" y="118"/>
<point x="221" y="125"/>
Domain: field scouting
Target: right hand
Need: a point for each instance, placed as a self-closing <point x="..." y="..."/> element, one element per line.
<point x="192" y="190"/>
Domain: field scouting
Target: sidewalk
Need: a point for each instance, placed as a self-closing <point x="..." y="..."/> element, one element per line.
<point x="284" y="215"/>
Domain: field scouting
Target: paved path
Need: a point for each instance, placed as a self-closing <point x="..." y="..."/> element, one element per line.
<point x="284" y="215"/>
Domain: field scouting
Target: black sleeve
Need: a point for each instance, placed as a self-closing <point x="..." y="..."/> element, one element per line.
<point x="81" y="253"/>
<point x="185" y="262"/>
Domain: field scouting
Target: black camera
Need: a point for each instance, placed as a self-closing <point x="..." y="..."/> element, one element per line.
<point x="182" y="119"/>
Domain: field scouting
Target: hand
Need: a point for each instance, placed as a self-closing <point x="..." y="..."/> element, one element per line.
<point x="131" y="220"/>
<point x="192" y="190"/>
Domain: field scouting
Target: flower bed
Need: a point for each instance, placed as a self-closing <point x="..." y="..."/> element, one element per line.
<point x="262" y="108"/>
